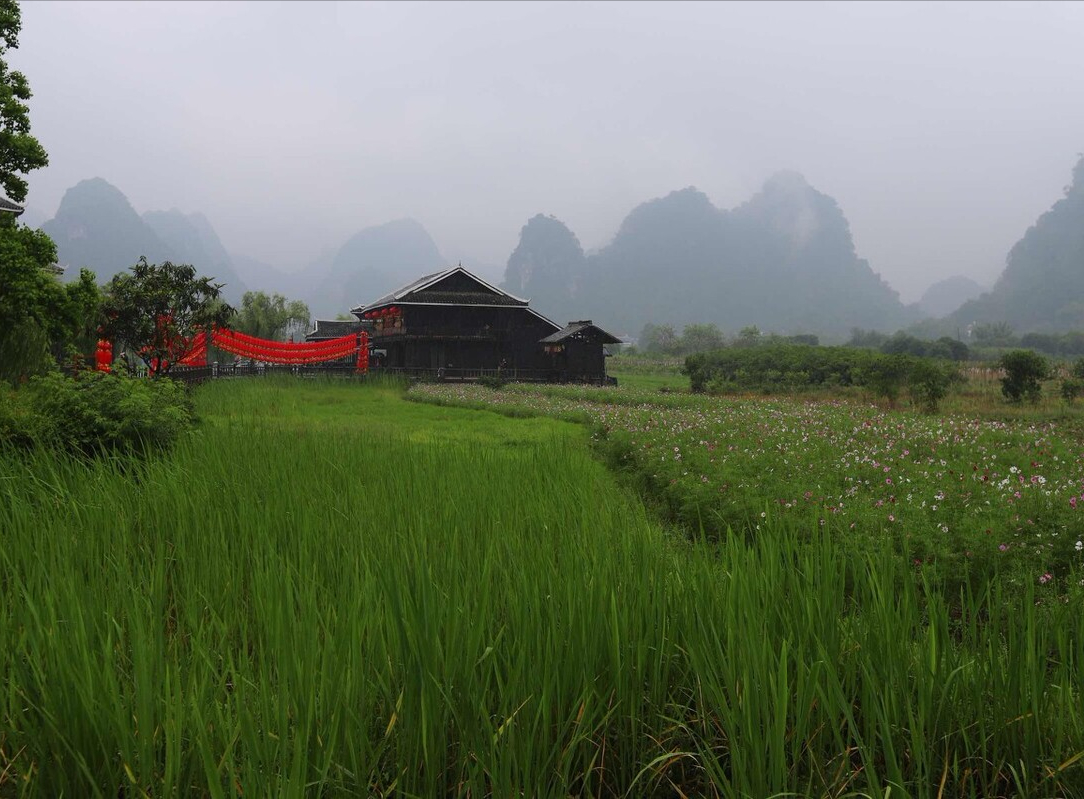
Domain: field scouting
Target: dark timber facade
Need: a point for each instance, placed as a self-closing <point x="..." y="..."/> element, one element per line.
<point x="454" y="325"/>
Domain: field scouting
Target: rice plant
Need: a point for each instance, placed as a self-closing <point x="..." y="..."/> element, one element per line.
<point x="328" y="591"/>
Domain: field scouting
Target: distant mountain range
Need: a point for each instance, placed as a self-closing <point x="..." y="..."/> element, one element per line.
<point x="784" y="261"/>
<point x="96" y="227"/>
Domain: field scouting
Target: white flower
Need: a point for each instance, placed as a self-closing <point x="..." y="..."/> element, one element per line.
<point x="1079" y="545"/>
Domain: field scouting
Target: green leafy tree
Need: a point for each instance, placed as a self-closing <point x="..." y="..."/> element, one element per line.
<point x="868" y="339"/>
<point x="701" y="338"/>
<point x="929" y="381"/>
<point x="33" y="303"/>
<point x="1024" y="372"/>
<point x="994" y="334"/>
<point x="156" y="310"/>
<point x="660" y="340"/>
<point x="748" y="337"/>
<point x="1077" y="369"/>
<point x="271" y="317"/>
<point x="1071" y="389"/>
<point x="19" y="151"/>
<point x="886" y="376"/>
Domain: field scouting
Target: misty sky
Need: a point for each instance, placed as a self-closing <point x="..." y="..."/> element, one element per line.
<point x="943" y="130"/>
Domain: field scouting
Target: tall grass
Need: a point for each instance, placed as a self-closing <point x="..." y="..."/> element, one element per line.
<point x="284" y="608"/>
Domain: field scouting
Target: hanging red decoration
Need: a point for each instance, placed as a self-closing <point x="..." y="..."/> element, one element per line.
<point x="103" y="355"/>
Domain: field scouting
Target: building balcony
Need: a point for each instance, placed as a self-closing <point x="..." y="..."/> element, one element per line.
<point x="416" y="332"/>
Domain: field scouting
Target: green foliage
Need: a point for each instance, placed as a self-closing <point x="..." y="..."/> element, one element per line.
<point x="659" y="340"/>
<point x="157" y="309"/>
<point x="748" y="336"/>
<point x="994" y="334"/>
<point x="38" y="313"/>
<point x="945" y="347"/>
<point x="1071" y="389"/>
<point x="701" y="338"/>
<point x="886" y="376"/>
<point x="929" y="381"/>
<point x="793" y="367"/>
<point x="1024" y="372"/>
<point x="777" y="366"/>
<point x="490" y="381"/>
<point x="271" y="317"/>
<point x="94" y="413"/>
<point x="1077" y="369"/>
<point x="663" y="340"/>
<point x="19" y="151"/>
<point x="868" y="339"/>
<point x="1065" y="344"/>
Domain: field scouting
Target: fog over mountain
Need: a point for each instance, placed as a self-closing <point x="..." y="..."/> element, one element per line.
<point x="96" y="227"/>
<point x="1042" y="287"/>
<point x="945" y="296"/>
<point x="784" y="260"/>
<point x="942" y="129"/>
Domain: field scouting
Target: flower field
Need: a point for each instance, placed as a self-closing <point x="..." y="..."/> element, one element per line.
<point x="962" y="498"/>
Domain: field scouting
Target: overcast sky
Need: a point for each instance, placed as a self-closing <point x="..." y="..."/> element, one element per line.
<point x="943" y="130"/>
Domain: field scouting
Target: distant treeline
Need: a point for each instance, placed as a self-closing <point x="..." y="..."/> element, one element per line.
<point x="796" y="367"/>
<point x="995" y="336"/>
<point x="664" y="339"/>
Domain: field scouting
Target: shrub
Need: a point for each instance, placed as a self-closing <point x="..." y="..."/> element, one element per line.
<point x="885" y="376"/>
<point x="929" y="382"/>
<point x="492" y="382"/>
<point x="1071" y="389"/>
<point x="96" y="412"/>
<point x="1024" y="371"/>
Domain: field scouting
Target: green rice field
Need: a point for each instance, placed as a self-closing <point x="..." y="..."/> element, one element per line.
<point x="329" y="590"/>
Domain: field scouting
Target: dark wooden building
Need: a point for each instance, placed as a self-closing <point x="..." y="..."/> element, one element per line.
<point x="454" y="325"/>
<point x="579" y="349"/>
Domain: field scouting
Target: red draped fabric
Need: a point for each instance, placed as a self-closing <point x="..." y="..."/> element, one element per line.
<point x="259" y="349"/>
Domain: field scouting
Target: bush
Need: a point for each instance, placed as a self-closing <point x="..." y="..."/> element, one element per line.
<point x="492" y="382"/>
<point x="886" y="376"/>
<point x="1071" y="389"/>
<point x="95" y="412"/>
<point x="1024" y="371"/>
<point x="929" y="382"/>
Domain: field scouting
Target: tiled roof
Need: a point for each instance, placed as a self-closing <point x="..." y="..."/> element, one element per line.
<point x="10" y="207"/>
<point x="333" y="328"/>
<point x="411" y="292"/>
<point x="462" y="298"/>
<point x="582" y="330"/>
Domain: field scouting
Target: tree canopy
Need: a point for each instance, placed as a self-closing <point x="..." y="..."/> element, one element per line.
<point x="37" y="313"/>
<point x="271" y="316"/>
<point x="156" y="310"/>
<point x="20" y="152"/>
